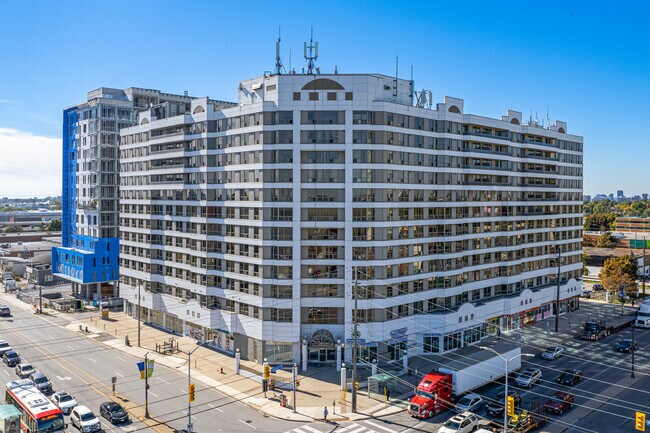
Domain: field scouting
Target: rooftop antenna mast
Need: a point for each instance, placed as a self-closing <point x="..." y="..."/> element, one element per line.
<point x="396" y="74"/>
<point x="313" y="54"/>
<point x="278" y="62"/>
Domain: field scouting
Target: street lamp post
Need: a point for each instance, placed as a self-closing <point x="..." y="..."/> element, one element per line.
<point x="633" y="349"/>
<point x="505" y="397"/>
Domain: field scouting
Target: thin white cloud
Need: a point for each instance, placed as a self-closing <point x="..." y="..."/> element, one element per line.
<point x="30" y="165"/>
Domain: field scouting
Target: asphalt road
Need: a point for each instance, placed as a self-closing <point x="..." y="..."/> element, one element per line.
<point x="84" y="368"/>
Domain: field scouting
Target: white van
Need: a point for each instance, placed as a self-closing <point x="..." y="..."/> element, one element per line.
<point x="643" y="315"/>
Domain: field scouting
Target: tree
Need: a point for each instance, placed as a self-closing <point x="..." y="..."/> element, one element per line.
<point x="53" y="226"/>
<point x="585" y="258"/>
<point x="13" y="229"/>
<point x="618" y="272"/>
<point x="602" y="222"/>
<point x="606" y="240"/>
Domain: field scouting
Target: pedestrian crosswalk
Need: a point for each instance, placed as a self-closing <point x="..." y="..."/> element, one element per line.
<point x="366" y="426"/>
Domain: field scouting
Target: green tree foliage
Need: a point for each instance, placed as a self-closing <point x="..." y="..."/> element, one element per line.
<point x="618" y="272"/>
<point x="606" y="240"/>
<point x="53" y="226"/>
<point x="600" y="222"/>
<point x="13" y="229"/>
<point x="585" y="257"/>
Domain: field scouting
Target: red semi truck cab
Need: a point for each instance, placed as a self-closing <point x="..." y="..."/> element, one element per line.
<point x="432" y="396"/>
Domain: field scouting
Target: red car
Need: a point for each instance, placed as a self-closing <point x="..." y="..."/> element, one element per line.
<point x="559" y="402"/>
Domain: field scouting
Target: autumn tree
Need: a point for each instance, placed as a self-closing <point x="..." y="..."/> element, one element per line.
<point x="618" y="272"/>
<point x="606" y="240"/>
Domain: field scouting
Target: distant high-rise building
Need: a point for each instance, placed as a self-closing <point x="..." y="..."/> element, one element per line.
<point x="586" y="198"/>
<point x="88" y="256"/>
<point x="644" y="196"/>
<point x="619" y="194"/>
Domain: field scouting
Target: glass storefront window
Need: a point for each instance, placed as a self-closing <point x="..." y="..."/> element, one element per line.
<point x="431" y="344"/>
<point x="278" y="352"/>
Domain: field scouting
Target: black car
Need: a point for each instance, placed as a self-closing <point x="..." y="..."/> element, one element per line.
<point x="494" y="406"/>
<point x="113" y="412"/>
<point x="11" y="358"/>
<point x="5" y="311"/>
<point x="570" y="377"/>
<point x="626" y="345"/>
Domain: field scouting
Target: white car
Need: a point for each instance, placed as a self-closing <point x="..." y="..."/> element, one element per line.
<point x="528" y="377"/>
<point x="4" y="347"/>
<point x="63" y="401"/>
<point x="85" y="420"/>
<point x="24" y="370"/>
<point x="469" y="402"/>
<point x="462" y="423"/>
<point x="553" y="352"/>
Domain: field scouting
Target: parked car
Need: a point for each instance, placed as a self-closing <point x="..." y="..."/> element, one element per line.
<point x="462" y="423"/>
<point x="5" y="311"/>
<point x="553" y="352"/>
<point x="529" y="377"/>
<point x="11" y="358"/>
<point x="559" y="402"/>
<point x="84" y="419"/>
<point x="113" y="412"/>
<point x="626" y="345"/>
<point x="586" y="293"/>
<point x="4" y="347"/>
<point x="469" y="402"/>
<point x="41" y="382"/>
<point x="495" y="406"/>
<point x="570" y="377"/>
<point x="24" y="369"/>
<point x="63" y="401"/>
<point x="598" y="288"/>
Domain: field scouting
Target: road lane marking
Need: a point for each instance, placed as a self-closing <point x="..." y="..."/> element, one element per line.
<point x="120" y="358"/>
<point x="163" y="380"/>
<point x="51" y="338"/>
<point x="150" y="392"/>
<point x="5" y="372"/>
<point x="70" y="347"/>
<point x="215" y="407"/>
<point x="250" y="425"/>
<point x="121" y="375"/>
<point x="92" y="360"/>
<point x="375" y="425"/>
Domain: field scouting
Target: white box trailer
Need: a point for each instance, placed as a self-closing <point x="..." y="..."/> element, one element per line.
<point x="475" y="369"/>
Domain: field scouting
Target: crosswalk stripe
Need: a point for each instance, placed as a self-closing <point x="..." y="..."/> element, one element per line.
<point x="354" y="428"/>
<point x="379" y="426"/>
<point x="306" y="429"/>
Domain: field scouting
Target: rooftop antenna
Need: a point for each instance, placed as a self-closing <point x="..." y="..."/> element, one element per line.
<point x="396" y="73"/>
<point x="278" y="61"/>
<point x="313" y="54"/>
<point x="548" y="119"/>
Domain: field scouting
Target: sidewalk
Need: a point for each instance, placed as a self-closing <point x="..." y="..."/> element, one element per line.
<point x="318" y="387"/>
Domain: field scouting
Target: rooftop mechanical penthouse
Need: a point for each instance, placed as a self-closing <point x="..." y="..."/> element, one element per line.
<point x="243" y="224"/>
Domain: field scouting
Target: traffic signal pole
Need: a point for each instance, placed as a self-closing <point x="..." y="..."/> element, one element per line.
<point x="190" y="389"/>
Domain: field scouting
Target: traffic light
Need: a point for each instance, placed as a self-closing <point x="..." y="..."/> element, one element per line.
<point x="510" y="406"/>
<point x="297" y="383"/>
<point x="265" y="385"/>
<point x="267" y="371"/>
<point x="356" y="385"/>
<point x="640" y="421"/>
<point x="191" y="392"/>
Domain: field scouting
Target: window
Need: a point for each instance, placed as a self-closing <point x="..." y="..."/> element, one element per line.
<point x="296" y="96"/>
<point x="348" y="96"/>
<point x="313" y="96"/>
<point x="431" y="344"/>
<point x="331" y="96"/>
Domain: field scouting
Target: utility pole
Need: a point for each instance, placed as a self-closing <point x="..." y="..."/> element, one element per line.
<point x="557" y="294"/>
<point x="139" y="290"/>
<point x="633" y="349"/>
<point x="355" y="334"/>
<point x="643" y="267"/>
<point x="40" y="299"/>
<point x="295" y="376"/>
<point x="146" y="385"/>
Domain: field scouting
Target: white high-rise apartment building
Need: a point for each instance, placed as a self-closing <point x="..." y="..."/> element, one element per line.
<point x="244" y="223"/>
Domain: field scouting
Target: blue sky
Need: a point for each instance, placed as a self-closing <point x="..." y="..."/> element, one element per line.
<point x="587" y="61"/>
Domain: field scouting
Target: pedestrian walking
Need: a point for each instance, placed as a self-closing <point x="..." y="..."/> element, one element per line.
<point x="325" y="413"/>
<point x="498" y="333"/>
<point x="387" y="394"/>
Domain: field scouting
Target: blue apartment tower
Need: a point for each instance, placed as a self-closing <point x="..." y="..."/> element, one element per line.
<point x="89" y="255"/>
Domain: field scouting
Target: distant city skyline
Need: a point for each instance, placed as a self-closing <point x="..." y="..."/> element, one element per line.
<point x="581" y="65"/>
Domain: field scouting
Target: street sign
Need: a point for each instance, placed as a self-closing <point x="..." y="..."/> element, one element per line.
<point x="356" y="334"/>
<point x="276" y="368"/>
<point x="359" y="340"/>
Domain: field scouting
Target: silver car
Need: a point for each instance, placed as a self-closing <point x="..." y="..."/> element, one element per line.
<point x="469" y="402"/>
<point x="553" y="352"/>
<point x="528" y="377"/>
